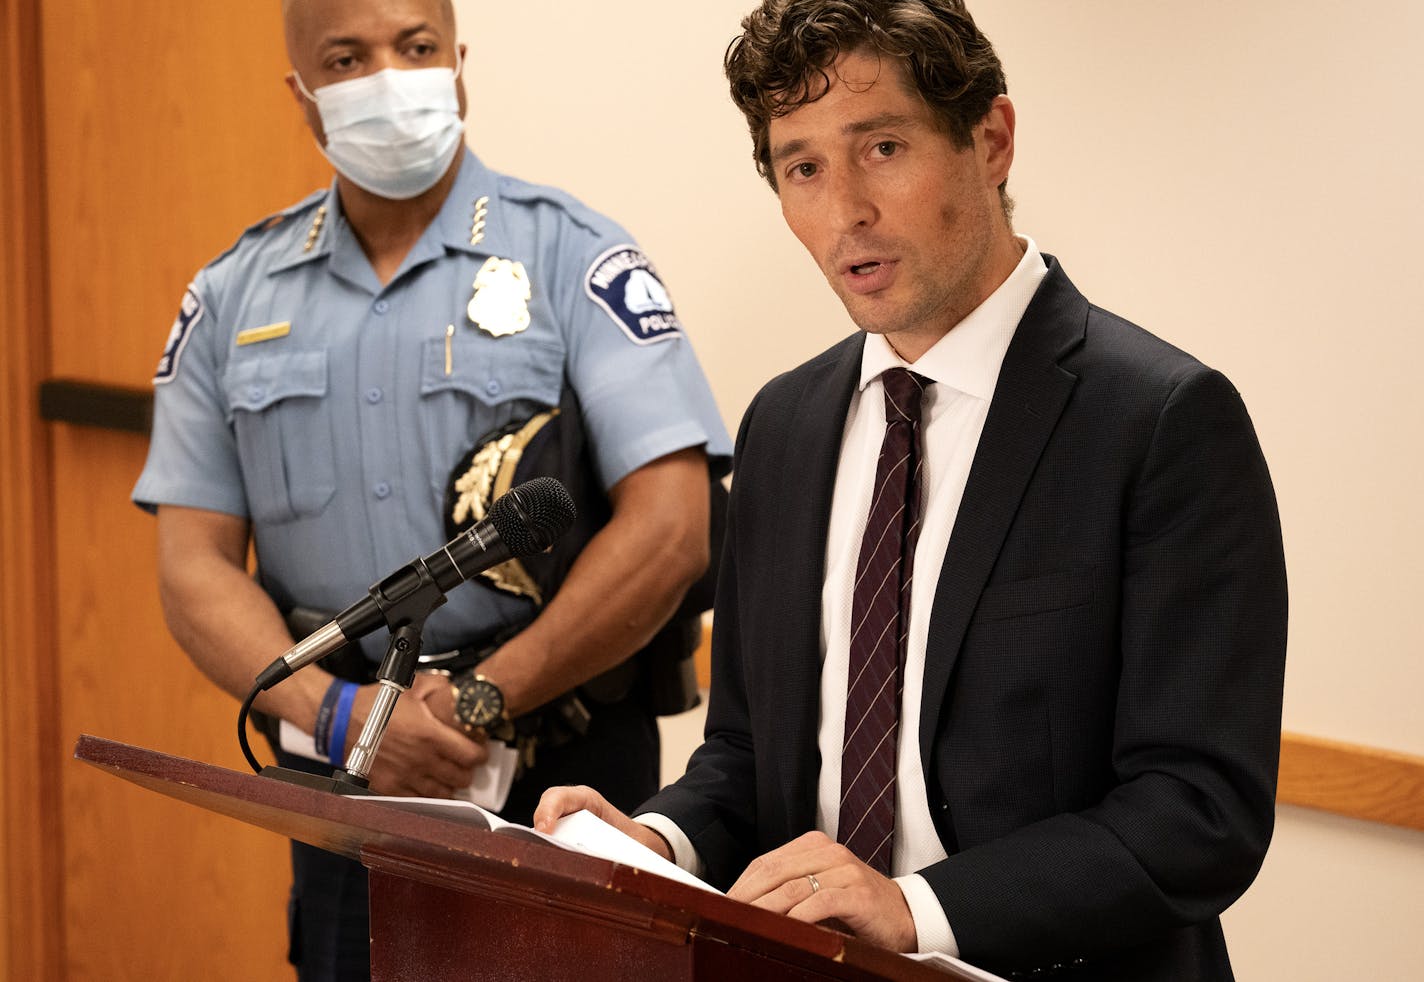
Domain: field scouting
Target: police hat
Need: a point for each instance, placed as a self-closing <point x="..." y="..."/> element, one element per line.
<point x="550" y="443"/>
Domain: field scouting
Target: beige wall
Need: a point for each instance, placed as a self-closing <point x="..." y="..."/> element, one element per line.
<point x="1239" y="177"/>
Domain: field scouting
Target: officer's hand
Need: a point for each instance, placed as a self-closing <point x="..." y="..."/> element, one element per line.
<point x="436" y="692"/>
<point x="558" y="802"/>
<point x="419" y="754"/>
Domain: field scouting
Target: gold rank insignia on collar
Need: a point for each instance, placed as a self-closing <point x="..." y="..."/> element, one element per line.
<point x="314" y="232"/>
<point x="500" y="303"/>
<point x="477" y="227"/>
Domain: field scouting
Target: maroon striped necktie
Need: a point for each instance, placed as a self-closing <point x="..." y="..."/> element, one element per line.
<point x="880" y="622"/>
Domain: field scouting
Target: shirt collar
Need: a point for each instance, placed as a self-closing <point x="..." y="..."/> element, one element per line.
<point x="969" y="356"/>
<point x="472" y="210"/>
<point x="475" y="191"/>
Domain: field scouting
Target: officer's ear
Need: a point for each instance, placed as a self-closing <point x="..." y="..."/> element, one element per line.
<point x="306" y="106"/>
<point x="460" y="80"/>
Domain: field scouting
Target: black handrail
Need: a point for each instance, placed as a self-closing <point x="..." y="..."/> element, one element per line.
<point x="110" y="407"/>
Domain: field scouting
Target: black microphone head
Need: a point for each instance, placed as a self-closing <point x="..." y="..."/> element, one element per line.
<point x="531" y="516"/>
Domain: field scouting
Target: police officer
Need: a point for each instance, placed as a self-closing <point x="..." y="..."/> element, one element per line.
<point x="327" y="371"/>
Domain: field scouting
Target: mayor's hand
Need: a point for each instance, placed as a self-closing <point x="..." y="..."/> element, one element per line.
<point x="561" y="801"/>
<point x="815" y="879"/>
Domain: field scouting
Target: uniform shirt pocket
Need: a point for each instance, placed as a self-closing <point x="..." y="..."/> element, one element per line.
<point x="281" y="414"/>
<point x="490" y="383"/>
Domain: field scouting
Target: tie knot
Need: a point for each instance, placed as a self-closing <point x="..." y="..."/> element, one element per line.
<point x="903" y="389"/>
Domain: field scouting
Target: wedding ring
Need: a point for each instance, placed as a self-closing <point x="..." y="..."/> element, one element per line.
<point x="815" y="883"/>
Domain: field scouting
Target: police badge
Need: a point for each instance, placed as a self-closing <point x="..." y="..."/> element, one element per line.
<point x="500" y="304"/>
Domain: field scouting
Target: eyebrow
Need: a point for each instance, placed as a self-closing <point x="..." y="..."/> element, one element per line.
<point x="854" y="127"/>
<point x="357" y="42"/>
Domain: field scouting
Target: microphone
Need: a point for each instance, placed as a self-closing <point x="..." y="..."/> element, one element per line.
<point x="523" y="521"/>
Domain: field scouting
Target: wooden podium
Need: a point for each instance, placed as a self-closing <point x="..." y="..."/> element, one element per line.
<point x="449" y="901"/>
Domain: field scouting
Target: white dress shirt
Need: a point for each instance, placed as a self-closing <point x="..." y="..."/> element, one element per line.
<point x="964" y="365"/>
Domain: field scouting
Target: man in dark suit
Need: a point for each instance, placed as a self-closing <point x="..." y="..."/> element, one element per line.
<point x="1079" y="569"/>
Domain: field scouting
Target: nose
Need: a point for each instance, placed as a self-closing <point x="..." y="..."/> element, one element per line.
<point x="849" y="203"/>
<point x="384" y="57"/>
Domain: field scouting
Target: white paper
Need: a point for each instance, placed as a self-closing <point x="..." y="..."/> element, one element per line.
<point x="939" y="959"/>
<point x="585" y="832"/>
<point x="493" y="778"/>
<point x="582" y="832"/>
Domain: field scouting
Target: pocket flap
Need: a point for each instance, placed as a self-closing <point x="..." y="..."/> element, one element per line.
<point x="494" y="371"/>
<point x="1036" y="595"/>
<point x="254" y="384"/>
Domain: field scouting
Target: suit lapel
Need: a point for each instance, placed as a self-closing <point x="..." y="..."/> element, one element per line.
<point x="1029" y="397"/>
<point x="812" y="451"/>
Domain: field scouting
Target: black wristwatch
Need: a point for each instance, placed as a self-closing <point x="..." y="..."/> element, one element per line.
<point x="479" y="706"/>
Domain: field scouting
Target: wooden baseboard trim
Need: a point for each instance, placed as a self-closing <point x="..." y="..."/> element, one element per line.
<point x="1346" y="779"/>
<point x="702" y="657"/>
<point x="1356" y="781"/>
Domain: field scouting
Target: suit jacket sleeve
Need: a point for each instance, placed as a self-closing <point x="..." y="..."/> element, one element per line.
<point x="714" y="801"/>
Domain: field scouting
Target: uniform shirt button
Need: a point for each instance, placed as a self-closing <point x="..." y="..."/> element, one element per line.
<point x="382" y="306"/>
<point x="255" y="392"/>
<point x="381" y="490"/>
<point x="374" y="395"/>
<point x="492" y="386"/>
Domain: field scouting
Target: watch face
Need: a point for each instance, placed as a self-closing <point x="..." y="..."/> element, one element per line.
<point x="479" y="702"/>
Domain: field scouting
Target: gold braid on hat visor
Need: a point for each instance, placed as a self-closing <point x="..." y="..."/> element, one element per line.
<point x="490" y="475"/>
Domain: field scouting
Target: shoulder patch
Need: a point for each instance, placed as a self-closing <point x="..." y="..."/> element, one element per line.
<point x="190" y="311"/>
<point x="623" y="282"/>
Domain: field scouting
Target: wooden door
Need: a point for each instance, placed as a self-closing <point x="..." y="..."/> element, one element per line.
<point x="165" y="130"/>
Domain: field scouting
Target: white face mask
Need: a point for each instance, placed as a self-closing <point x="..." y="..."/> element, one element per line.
<point x="393" y="133"/>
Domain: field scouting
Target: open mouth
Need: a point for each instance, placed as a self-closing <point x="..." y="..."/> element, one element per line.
<point x="868" y="276"/>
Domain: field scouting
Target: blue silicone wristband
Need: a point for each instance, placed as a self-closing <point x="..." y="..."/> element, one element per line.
<point x="322" y="732"/>
<point x="340" y="721"/>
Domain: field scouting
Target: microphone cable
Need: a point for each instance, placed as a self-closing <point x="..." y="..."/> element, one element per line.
<point x="242" y="729"/>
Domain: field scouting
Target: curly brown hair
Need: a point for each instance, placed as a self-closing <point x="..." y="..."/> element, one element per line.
<point x="782" y="60"/>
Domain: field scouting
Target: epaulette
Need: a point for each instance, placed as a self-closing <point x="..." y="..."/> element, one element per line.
<point x="286" y="217"/>
<point x="513" y="189"/>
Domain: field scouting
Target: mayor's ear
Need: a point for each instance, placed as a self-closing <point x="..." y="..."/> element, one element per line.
<point x="994" y="141"/>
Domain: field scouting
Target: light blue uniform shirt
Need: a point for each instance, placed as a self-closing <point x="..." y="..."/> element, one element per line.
<point x="336" y="434"/>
